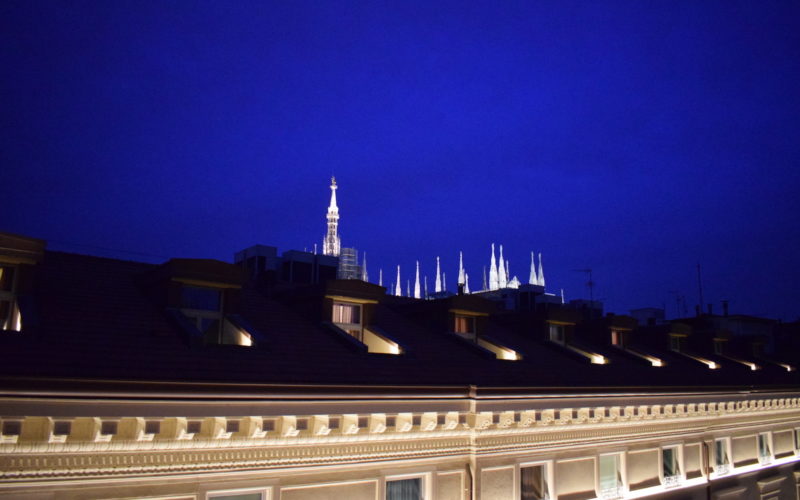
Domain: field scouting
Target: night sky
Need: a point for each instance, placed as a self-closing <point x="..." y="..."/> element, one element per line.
<point x="634" y="138"/>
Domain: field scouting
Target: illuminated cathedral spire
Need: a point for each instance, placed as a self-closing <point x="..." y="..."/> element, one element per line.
<point x="438" y="286"/>
<point x="380" y="277"/>
<point x="541" y="271"/>
<point x="331" y="244"/>
<point x="533" y="280"/>
<point x="461" y="273"/>
<point x="364" y="275"/>
<point x="417" y="292"/>
<point x="398" y="290"/>
<point x="466" y="283"/>
<point x="425" y="290"/>
<point x="493" y="272"/>
<point x="502" y="277"/>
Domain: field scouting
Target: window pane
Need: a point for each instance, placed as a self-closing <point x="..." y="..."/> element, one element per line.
<point x="347" y="313"/>
<point x="6" y="278"/>
<point x="670" y="462"/>
<point x="532" y="483"/>
<point x="205" y="299"/>
<point x="404" y="489"/>
<point x="465" y="324"/>
<point x="609" y="472"/>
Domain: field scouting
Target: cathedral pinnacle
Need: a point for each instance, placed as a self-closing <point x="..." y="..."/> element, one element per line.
<point x="331" y="244"/>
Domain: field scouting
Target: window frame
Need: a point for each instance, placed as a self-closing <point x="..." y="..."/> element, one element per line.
<point x="349" y="328"/>
<point x="621" y="489"/>
<point x="472" y="325"/>
<point x="548" y="475"/>
<point x="796" y="440"/>
<point x="426" y="487"/>
<point x="676" y="479"/>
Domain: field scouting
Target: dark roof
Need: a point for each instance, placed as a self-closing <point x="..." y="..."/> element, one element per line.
<point x="93" y="318"/>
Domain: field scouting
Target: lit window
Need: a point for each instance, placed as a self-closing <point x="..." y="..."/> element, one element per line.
<point x="404" y="489"/>
<point x="533" y="482"/>
<point x="765" y="448"/>
<point x="722" y="461"/>
<point x="348" y="318"/>
<point x="670" y="466"/>
<point x="610" y="475"/>
<point x="465" y="325"/>
<point x="617" y="338"/>
<point x="10" y="317"/>
<point x="557" y="333"/>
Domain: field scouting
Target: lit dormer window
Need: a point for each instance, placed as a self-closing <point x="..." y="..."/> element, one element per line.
<point x="464" y="326"/>
<point x="348" y="317"/>
<point x="617" y="338"/>
<point x="10" y="317"/>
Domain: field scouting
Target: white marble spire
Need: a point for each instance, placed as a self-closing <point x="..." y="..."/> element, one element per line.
<point x="364" y="275"/>
<point x="533" y="280"/>
<point x="484" y="278"/>
<point x="444" y="283"/>
<point x="331" y="244"/>
<point x="398" y="291"/>
<point x="502" y="277"/>
<point x="466" y="283"/>
<point x="562" y="295"/>
<point x="425" y="290"/>
<point x="408" y="288"/>
<point x="380" y="277"/>
<point x="438" y="285"/>
<point x="461" y="272"/>
<point x="492" y="272"/>
<point x="417" y="291"/>
<point x="541" y="271"/>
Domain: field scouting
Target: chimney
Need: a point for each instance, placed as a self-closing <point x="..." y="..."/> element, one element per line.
<point x="724" y="307"/>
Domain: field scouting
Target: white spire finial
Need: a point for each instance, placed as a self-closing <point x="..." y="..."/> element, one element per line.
<point x="331" y="244"/>
<point x="364" y="275"/>
<point x="533" y="280"/>
<point x="438" y="285"/>
<point x="380" y="277"/>
<point x="493" y="284"/>
<point x="461" y="272"/>
<point x="425" y="290"/>
<point x="444" y="283"/>
<point x="562" y="296"/>
<point x="502" y="277"/>
<point x="417" y="292"/>
<point x="397" y="287"/>
<point x="466" y="283"/>
<point x="541" y="271"/>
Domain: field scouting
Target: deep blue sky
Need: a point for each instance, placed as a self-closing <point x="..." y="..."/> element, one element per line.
<point x="636" y="138"/>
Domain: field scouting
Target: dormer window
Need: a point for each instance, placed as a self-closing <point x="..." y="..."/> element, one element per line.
<point x="617" y="338"/>
<point x="202" y="306"/>
<point x="675" y="343"/>
<point x="464" y="325"/>
<point x="557" y="333"/>
<point x="347" y="316"/>
<point x="10" y="317"/>
<point x="719" y="346"/>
